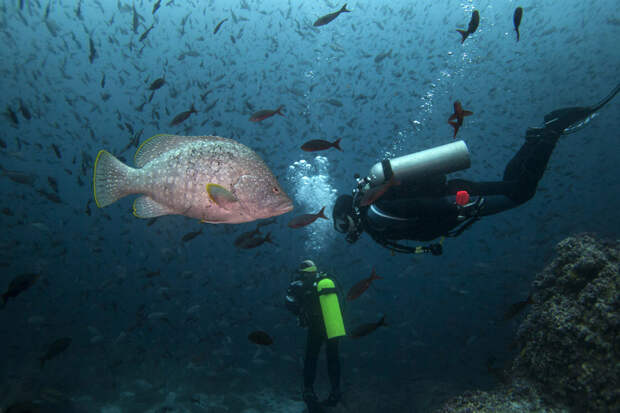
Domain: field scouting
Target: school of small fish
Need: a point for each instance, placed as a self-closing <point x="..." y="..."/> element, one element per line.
<point x="105" y="75"/>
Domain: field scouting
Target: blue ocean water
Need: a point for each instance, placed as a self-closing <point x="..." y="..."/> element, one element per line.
<point x="156" y="320"/>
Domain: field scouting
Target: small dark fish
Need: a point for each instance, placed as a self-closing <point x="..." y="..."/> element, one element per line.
<point x="377" y="192"/>
<point x="2" y="144"/>
<point x="135" y="20"/>
<point x="12" y="116"/>
<point x="320" y="145"/>
<point x="473" y="25"/>
<point x="334" y="102"/>
<point x="266" y="113"/>
<point x="306" y="219"/>
<point x="50" y="197"/>
<point x="265" y="223"/>
<point x="7" y="212"/>
<point x="87" y="210"/>
<point x="458" y="114"/>
<point x="211" y="106"/>
<point x="57" y="347"/>
<point x="24" y="110"/>
<point x="93" y="52"/>
<point x="53" y="184"/>
<point x="191" y="235"/>
<point x="19" y="177"/>
<point x="250" y="240"/>
<point x="156" y="6"/>
<point x="240" y="240"/>
<point x="517" y="19"/>
<point x="103" y="80"/>
<point x="146" y="33"/>
<point x="157" y="83"/>
<point x="516" y="308"/>
<point x="322" y="21"/>
<point x="17" y="286"/>
<point x="365" y="329"/>
<point x="78" y="10"/>
<point x="56" y="151"/>
<point x="382" y="56"/>
<point x="217" y="28"/>
<point x="181" y="117"/>
<point x="152" y="274"/>
<point x="260" y="337"/>
<point x="362" y="285"/>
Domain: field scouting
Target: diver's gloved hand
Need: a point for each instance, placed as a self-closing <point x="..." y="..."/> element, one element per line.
<point x="565" y="119"/>
<point x="471" y="209"/>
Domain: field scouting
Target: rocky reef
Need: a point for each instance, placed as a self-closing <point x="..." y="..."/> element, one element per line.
<point x="569" y="343"/>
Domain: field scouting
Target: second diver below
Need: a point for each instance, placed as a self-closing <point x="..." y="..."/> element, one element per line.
<point x="409" y="198"/>
<point x="315" y="297"/>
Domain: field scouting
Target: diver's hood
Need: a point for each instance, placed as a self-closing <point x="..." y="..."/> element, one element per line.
<point x="342" y="213"/>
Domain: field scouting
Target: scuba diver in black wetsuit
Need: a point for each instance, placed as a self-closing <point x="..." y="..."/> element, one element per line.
<point x="409" y="198"/>
<point x="313" y="296"/>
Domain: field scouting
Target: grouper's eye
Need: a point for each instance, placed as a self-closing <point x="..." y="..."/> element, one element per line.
<point x="275" y="190"/>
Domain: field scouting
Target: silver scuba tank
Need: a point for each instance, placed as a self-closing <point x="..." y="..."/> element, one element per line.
<point x="416" y="166"/>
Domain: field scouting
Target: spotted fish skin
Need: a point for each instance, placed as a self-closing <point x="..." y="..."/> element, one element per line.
<point x="173" y="172"/>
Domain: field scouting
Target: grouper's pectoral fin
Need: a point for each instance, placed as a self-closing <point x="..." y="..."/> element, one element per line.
<point x="146" y="207"/>
<point x="221" y="196"/>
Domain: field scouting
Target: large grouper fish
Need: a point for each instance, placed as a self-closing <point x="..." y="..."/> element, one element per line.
<point x="214" y="179"/>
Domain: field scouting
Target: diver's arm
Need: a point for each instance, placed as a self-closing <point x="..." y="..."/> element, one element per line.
<point x="292" y="297"/>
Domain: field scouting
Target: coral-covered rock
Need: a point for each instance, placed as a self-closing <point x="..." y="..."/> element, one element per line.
<point x="521" y="396"/>
<point x="570" y="340"/>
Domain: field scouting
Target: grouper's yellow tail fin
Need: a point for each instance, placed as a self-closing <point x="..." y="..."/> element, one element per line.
<point x="111" y="179"/>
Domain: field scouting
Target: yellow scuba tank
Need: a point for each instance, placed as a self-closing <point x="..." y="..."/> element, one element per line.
<point x="330" y="307"/>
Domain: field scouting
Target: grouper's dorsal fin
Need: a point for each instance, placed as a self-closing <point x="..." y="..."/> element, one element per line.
<point x="162" y="143"/>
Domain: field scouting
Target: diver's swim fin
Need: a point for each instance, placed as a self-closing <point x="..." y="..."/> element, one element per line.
<point x="607" y="98"/>
<point x="569" y="120"/>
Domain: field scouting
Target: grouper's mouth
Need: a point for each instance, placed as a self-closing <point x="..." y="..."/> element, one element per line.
<point x="284" y="207"/>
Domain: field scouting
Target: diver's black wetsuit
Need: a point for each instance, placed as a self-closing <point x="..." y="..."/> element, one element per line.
<point x="303" y="301"/>
<point x="432" y="212"/>
<point x="425" y="211"/>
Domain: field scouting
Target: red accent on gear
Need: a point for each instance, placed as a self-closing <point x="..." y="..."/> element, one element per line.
<point x="462" y="198"/>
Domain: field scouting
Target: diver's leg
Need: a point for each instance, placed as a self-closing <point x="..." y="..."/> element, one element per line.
<point x="528" y="165"/>
<point x="333" y="364"/>
<point x="313" y="346"/>
<point x="495" y="194"/>
<point x="521" y="176"/>
<point x="333" y="369"/>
